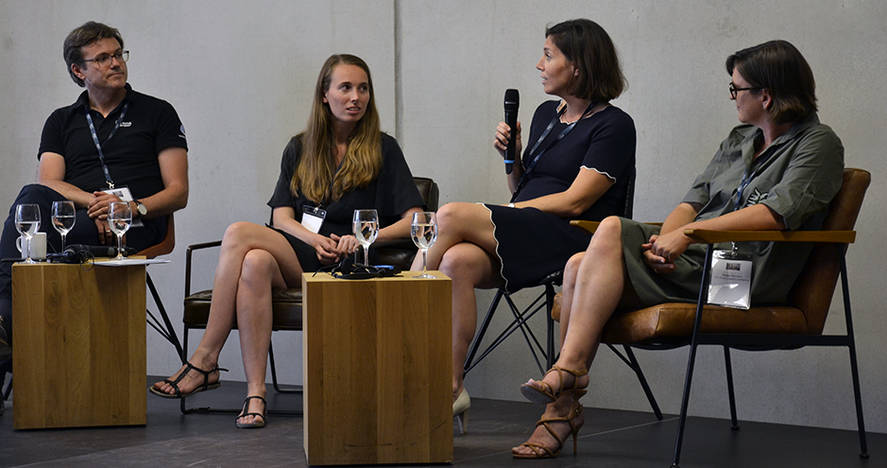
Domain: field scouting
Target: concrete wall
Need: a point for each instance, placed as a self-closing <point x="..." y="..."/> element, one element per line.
<point x="241" y="74"/>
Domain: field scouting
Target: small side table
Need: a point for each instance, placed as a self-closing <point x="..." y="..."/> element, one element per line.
<point x="78" y="345"/>
<point x="378" y="370"/>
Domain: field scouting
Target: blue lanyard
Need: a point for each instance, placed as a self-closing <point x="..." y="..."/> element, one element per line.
<point x="566" y="131"/>
<point x="747" y="178"/>
<point x="98" y="146"/>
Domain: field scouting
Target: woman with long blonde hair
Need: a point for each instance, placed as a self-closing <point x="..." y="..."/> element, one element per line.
<point x="341" y="162"/>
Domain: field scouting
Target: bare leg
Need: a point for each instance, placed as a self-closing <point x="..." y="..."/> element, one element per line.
<point x="465" y="251"/>
<point x="570" y="271"/>
<point x="258" y="275"/>
<point x="460" y="222"/>
<point x="596" y="288"/>
<point x="239" y="238"/>
<point x="469" y="267"/>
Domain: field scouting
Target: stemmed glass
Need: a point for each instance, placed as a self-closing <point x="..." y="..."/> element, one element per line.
<point x="27" y="221"/>
<point x="365" y="226"/>
<point x="63" y="217"/>
<point x="119" y="220"/>
<point x="423" y="230"/>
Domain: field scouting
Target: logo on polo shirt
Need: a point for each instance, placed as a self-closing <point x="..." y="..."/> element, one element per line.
<point x="125" y="124"/>
<point x="755" y="197"/>
<point x="182" y="131"/>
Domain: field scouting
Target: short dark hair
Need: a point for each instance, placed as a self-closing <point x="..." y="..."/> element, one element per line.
<point x="780" y="68"/>
<point x="84" y="35"/>
<point x="591" y="50"/>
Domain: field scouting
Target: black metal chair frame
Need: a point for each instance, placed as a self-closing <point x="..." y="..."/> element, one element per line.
<point x="762" y="342"/>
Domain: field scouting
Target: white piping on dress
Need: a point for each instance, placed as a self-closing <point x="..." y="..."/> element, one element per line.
<point x="603" y="173"/>
<point x="501" y="263"/>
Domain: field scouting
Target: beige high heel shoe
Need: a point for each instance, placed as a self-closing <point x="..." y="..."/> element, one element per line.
<point x="460" y="410"/>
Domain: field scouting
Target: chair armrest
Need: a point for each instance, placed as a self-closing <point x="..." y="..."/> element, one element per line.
<point x="591" y="226"/>
<point x="191" y="249"/>
<point x="707" y="236"/>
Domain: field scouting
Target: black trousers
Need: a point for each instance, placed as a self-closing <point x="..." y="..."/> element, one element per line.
<point x="84" y="232"/>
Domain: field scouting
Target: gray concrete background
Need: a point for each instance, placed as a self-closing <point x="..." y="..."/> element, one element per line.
<point x="241" y="74"/>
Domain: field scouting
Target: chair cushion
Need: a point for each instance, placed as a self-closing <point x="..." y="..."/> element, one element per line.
<point x="286" y="307"/>
<point x="671" y="321"/>
<point x="675" y="320"/>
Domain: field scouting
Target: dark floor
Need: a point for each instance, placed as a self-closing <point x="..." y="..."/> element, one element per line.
<point x="609" y="439"/>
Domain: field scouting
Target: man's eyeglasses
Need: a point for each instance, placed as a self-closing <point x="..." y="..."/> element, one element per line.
<point x="734" y="90"/>
<point x="105" y="59"/>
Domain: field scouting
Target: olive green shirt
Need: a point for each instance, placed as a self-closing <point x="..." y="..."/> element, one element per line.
<point x="796" y="177"/>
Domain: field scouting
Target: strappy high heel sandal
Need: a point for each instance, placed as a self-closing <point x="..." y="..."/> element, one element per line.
<point x="541" y="451"/>
<point x="460" y="410"/>
<point x="541" y="392"/>
<point x="175" y="383"/>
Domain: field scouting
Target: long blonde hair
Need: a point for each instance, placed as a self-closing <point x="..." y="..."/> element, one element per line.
<point x="317" y="165"/>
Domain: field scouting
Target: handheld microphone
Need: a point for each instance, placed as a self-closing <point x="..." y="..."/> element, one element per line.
<point x="512" y="99"/>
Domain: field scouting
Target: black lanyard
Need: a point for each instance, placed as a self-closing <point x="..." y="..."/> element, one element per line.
<point x="566" y="131"/>
<point x="98" y="146"/>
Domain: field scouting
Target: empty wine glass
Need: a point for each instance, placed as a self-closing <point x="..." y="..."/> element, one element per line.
<point x="119" y="220"/>
<point x="423" y="230"/>
<point x="63" y="217"/>
<point x="27" y="221"/>
<point x="365" y="226"/>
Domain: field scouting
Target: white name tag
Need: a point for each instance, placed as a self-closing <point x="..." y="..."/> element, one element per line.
<point x="124" y="194"/>
<point x="312" y="218"/>
<point x="730" y="280"/>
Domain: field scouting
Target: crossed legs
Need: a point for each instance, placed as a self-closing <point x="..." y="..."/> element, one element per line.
<point x="465" y="251"/>
<point x="594" y="281"/>
<point x="253" y="261"/>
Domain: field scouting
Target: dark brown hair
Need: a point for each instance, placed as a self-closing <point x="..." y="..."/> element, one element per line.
<point x="84" y="36"/>
<point x="584" y="43"/>
<point x="781" y="69"/>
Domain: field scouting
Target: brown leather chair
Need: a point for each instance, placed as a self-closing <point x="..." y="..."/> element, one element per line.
<point x="287" y="305"/>
<point x="797" y="324"/>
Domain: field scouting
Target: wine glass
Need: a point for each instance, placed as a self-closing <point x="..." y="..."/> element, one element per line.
<point x="27" y="221"/>
<point x="119" y="220"/>
<point x="423" y="230"/>
<point x="365" y="226"/>
<point x="63" y="217"/>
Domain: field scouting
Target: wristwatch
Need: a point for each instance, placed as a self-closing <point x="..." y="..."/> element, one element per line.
<point x="141" y="208"/>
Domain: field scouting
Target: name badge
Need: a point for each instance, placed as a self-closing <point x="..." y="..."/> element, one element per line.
<point x="312" y="218"/>
<point x="124" y="194"/>
<point x="730" y="280"/>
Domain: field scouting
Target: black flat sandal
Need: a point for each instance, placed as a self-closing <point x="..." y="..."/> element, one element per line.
<point x="256" y="424"/>
<point x="175" y="383"/>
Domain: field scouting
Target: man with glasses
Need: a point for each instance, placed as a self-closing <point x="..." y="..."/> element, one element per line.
<point x="112" y="144"/>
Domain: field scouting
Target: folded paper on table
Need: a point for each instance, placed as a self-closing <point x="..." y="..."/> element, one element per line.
<point x="130" y="262"/>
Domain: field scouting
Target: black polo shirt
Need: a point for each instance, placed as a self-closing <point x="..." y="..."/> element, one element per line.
<point x="150" y="126"/>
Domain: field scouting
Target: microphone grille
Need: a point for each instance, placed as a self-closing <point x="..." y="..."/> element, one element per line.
<point x="512" y="96"/>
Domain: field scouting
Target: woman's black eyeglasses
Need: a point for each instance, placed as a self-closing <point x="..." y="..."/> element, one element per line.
<point x="734" y="90"/>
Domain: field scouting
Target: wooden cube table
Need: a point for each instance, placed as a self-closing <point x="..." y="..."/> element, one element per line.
<point x="377" y="370"/>
<point x="78" y="345"/>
